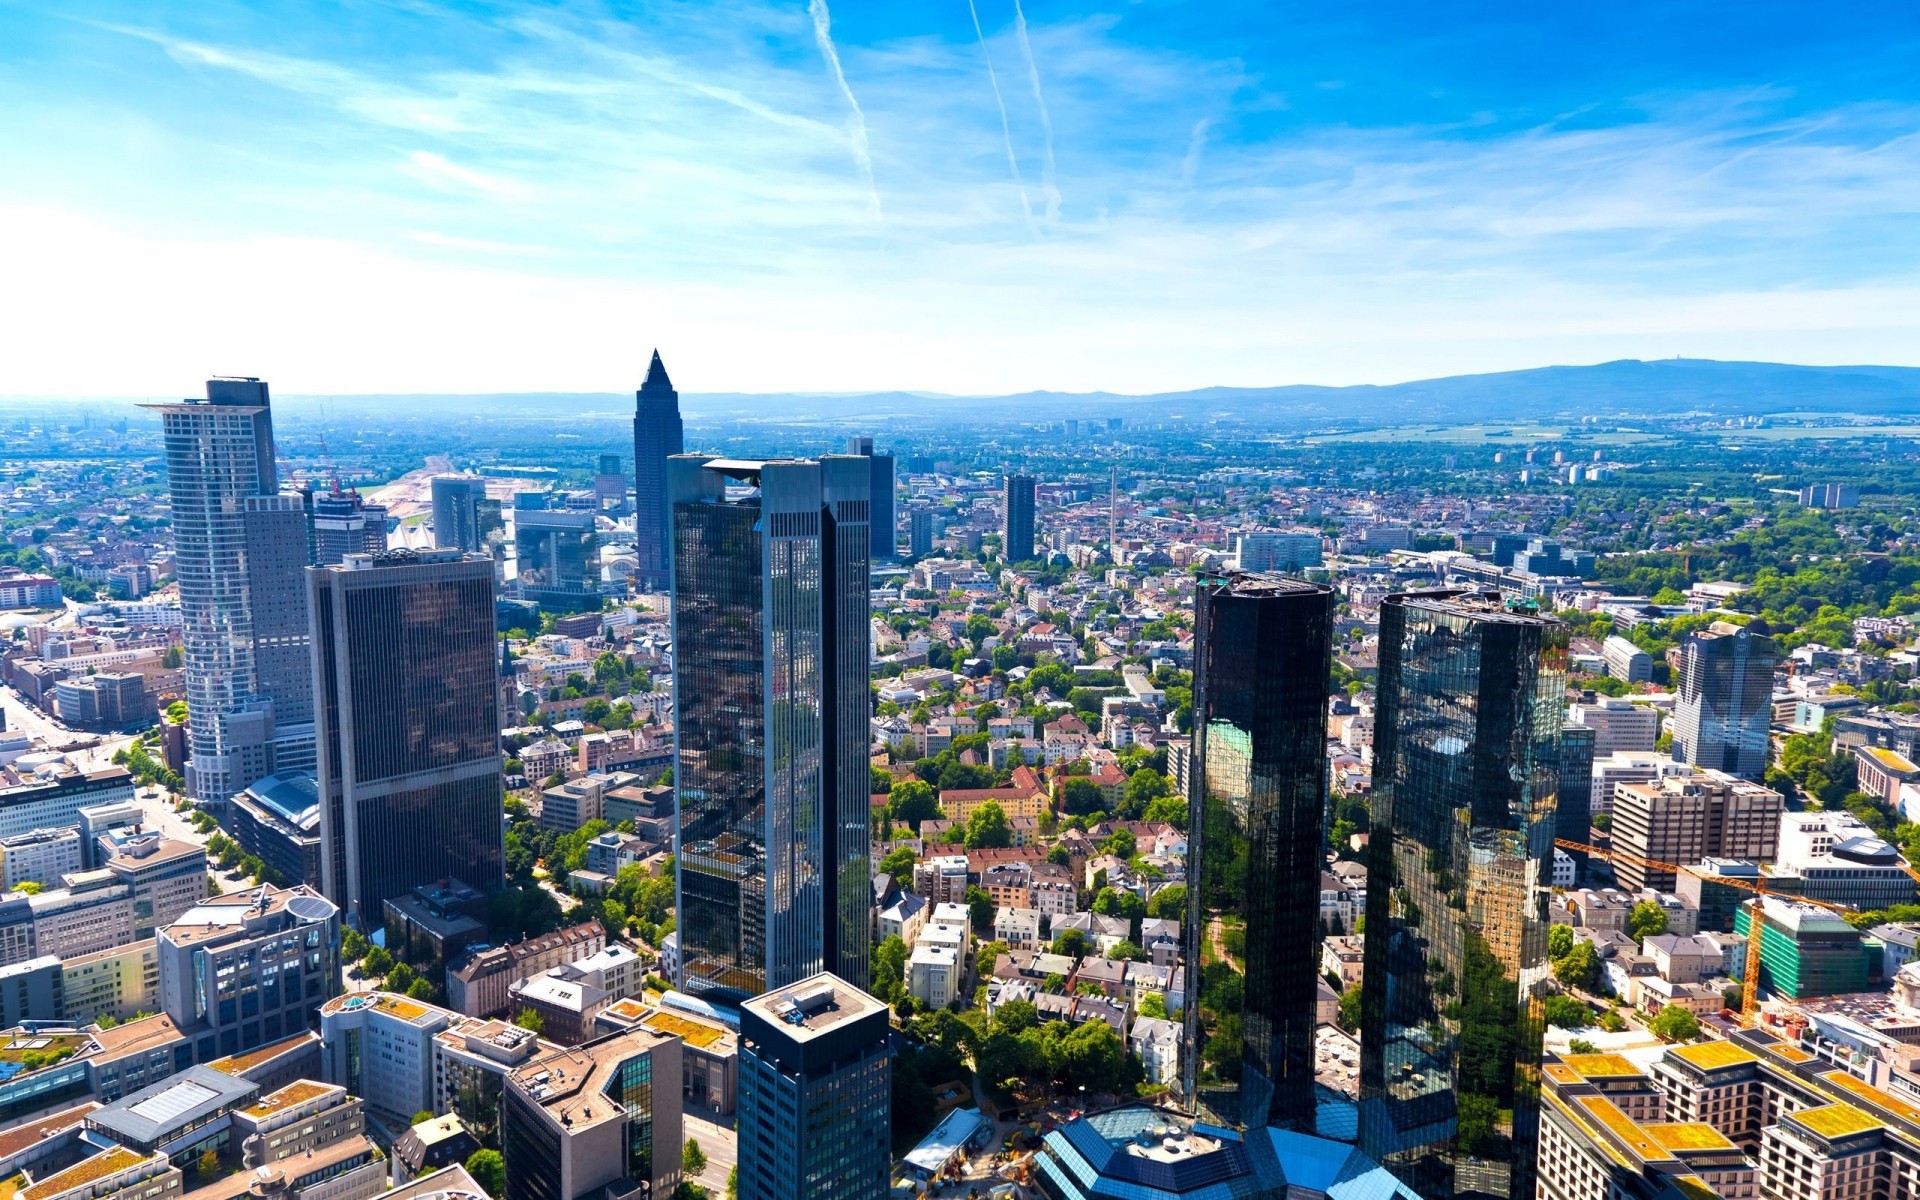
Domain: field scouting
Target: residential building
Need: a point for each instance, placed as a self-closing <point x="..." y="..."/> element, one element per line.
<point x="1725" y="700"/>
<point x="657" y="437"/>
<point x="247" y="968"/>
<point x="479" y="984"/>
<point x="1686" y="818"/>
<point x="771" y="703"/>
<point x="1466" y="764"/>
<point x="816" y="1093"/>
<point x="574" y="1121"/>
<point x="1017" y="522"/>
<point x="409" y="745"/>
<point x="239" y="546"/>
<point x="1262" y="651"/>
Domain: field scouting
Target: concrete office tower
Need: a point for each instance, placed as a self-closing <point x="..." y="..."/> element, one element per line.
<point x="1016" y="527"/>
<point x="345" y="524"/>
<point x="235" y="538"/>
<point x="1685" y="818"/>
<point x="816" y="1093"/>
<point x="886" y="530"/>
<point x="920" y="532"/>
<point x="458" y="510"/>
<point x="1466" y="764"/>
<point x="602" y="1119"/>
<point x="1725" y="704"/>
<point x="556" y="555"/>
<point x="610" y="485"/>
<point x="408" y="729"/>
<point x="657" y="436"/>
<point x="770" y="707"/>
<point x="1263" y="650"/>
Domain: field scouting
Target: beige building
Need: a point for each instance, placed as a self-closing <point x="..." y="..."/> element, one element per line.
<point x="116" y="982"/>
<point x="116" y="1174"/>
<point x="1684" y="818"/>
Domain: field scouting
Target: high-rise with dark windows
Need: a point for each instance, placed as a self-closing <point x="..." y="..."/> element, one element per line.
<point x="461" y="512"/>
<point x="1016" y="529"/>
<point x="1573" y="807"/>
<point x="1466" y="765"/>
<point x="770" y="613"/>
<point x="407" y="724"/>
<point x="657" y="436"/>
<point x="556" y="554"/>
<point x="1722" y="714"/>
<point x="886" y="532"/>
<point x="239" y="548"/>
<point x="343" y="524"/>
<point x="1263" y="648"/>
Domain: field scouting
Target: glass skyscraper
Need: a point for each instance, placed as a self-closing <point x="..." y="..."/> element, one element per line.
<point x="1016" y="526"/>
<point x="657" y="436"/>
<point x="1466" y="766"/>
<point x="770" y="614"/>
<point x="239" y="548"/>
<point x="1724" y="709"/>
<point x="1263" y="650"/>
<point x="884" y="524"/>
<point x="556" y="554"/>
<point x="408" y="728"/>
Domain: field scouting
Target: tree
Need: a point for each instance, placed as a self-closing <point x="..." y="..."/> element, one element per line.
<point x="693" y="1160"/>
<point x="1144" y="787"/>
<point x="530" y="1019"/>
<point x="1081" y="795"/>
<point x="1093" y="1057"/>
<point x="1579" y="967"/>
<point x="1567" y="1013"/>
<point x="1646" y="920"/>
<point x="987" y="828"/>
<point x="912" y="801"/>
<point x="1559" y="941"/>
<point x="209" y="1164"/>
<point x="425" y="1114"/>
<point x="353" y="947"/>
<point x="1072" y="943"/>
<point x="1349" y="1016"/>
<point x="988" y="954"/>
<point x="733" y="1183"/>
<point x="1169" y="903"/>
<point x="889" y="964"/>
<point x="979" y="909"/>
<point x="420" y="989"/>
<point x="401" y="977"/>
<point x="1167" y="810"/>
<point x="489" y="1170"/>
<point x="1674" y="1024"/>
<point x="377" y="963"/>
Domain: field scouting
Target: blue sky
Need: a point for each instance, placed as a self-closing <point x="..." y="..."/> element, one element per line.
<point x="828" y="195"/>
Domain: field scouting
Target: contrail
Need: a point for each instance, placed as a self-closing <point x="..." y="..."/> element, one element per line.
<point x="1006" y="132"/>
<point x="1046" y="121"/>
<point x="823" y="34"/>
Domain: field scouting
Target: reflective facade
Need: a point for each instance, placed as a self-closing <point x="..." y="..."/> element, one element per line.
<point x="1466" y="767"/>
<point x="1724" y="706"/>
<point x="1573" y="808"/>
<point x="1262" y="656"/>
<point x="1016" y="528"/>
<point x="657" y="436"/>
<point x="880" y="485"/>
<point x="408" y="735"/>
<point x="462" y="514"/>
<point x="557" y="557"/>
<point x="771" y="702"/>
<point x="222" y="487"/>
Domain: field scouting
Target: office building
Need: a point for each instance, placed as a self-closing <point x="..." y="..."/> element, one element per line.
<point x="605" y="1115"/>
<point x="1016" y="524"/>
<point x="1263" y="647"/>
<point x="657" y="437"/>
<point x="380" y="1047"/>
<point x="1834" y="856"/>
<point x="610" y="486"/>
<point x="409" y="779"/>
<point x="277" y="820"/>
<point x="1466" y="766"/>
<point x="880" y="484"/>
<point x="463" y="517"/>
<point x="816" y="1093"/>
<point x="1573" y="809"/>
<point x="32" y="991"/>
<point x="343" y="524"/>
<point x="1625" y="660"/>
<point x="920" y="531"/>
<point x="1686" y="818"/>
<point x="1618" y="725"/>
<point x="93" y="912"/>
<point x="116" y="982"/>
<point x="105" y="700"/>
<point x="165" y="878"/>
<point x="770" y="613"/>
<point x="53" y="800"/>
<point x="1287" y="553"/>
<point x="1806" y="951"/>
<point x="235" y="540"/>
<point x="556" y="555"/>
<point x="247" y="968"/>
<point x="1830" y="495"/>
<point x="41" y="856"/>
<point x="1725" y="701"/>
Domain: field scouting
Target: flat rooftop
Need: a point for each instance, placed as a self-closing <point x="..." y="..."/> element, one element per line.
<point x="570" y="1083"/>
<point x="240" y="1064"/>
<point x="1712" y="1056"/>
<point x="811" y="1007"/>
<point x="401" y="1008"/>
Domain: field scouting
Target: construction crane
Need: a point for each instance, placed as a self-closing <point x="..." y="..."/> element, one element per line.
<point x="1750" y="983"/>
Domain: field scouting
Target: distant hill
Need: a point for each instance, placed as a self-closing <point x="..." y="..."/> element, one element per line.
<point x="1627" y="388"/>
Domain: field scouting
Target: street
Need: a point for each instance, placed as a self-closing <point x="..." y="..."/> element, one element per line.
<point x="45" y="730"/>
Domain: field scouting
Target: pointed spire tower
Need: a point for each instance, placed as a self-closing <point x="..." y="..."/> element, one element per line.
<point x="657" y="435"/>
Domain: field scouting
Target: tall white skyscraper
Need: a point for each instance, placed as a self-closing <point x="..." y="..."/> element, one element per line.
<point x="239" y="549"/>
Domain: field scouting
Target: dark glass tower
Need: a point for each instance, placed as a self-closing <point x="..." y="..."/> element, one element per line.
<point x="1466" y="765"/>
<point x="1017" y="524"/>
<point x="457" y="518"/>
<point x="407" y="725"/>
<point x="1724" y="710"/>
<point x="770" y="612"/>
<point x="1262" y="657"/>
<point x="657" y="436"/>
<point x="886" y="530"/>
<point x="1573" y="807"/>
